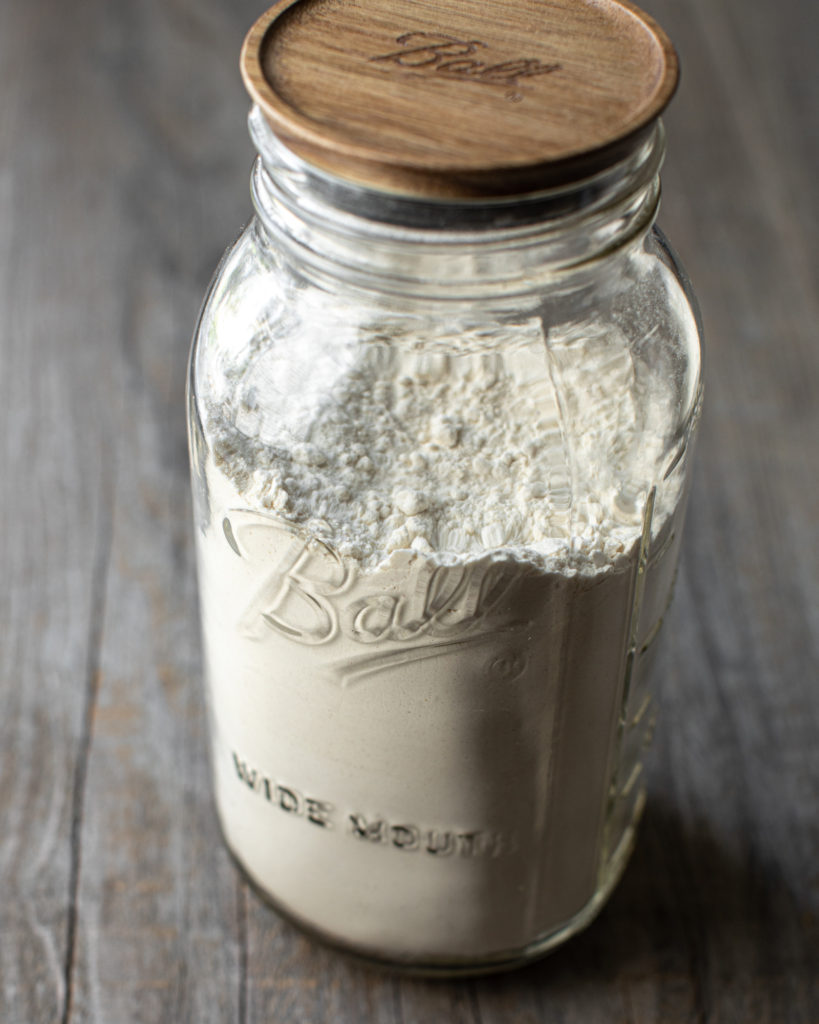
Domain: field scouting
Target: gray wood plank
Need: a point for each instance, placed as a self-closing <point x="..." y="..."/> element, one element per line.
<point x="157" y="936"/>
<point x="55" y="502"/>
<point x="110" y="853"/>
<point x="290" y="978"/>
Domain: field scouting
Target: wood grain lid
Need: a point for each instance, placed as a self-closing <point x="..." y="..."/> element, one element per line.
<point x="459" y="98"/>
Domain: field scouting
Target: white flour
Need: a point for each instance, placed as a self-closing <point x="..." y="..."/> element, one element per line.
<point x="418" y="449"/>
<point x="420" y="586"/>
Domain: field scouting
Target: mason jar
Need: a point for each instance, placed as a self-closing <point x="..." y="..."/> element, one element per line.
<point x="441" y="417"/>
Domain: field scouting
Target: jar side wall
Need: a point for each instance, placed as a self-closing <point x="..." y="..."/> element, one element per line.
<point x="288" y="619"/>
<point x="436" y="540"/>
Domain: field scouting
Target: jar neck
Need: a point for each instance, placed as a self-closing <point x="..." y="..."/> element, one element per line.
<point x="378" y="241"/>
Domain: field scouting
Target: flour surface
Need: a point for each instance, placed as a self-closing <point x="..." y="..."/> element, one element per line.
<point x="449" y="450"/>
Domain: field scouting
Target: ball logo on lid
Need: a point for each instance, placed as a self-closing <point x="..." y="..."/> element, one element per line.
<point x="450" y="57"/>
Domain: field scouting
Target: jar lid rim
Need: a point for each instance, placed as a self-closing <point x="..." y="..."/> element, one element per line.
<point x="459" y="98"/>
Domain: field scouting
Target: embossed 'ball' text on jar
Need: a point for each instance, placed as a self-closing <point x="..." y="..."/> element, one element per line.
<point x="442" y="400"/>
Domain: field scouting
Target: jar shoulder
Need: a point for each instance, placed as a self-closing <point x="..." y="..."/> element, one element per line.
<point x="242" y="293"/>
<point x="256" y="283"/>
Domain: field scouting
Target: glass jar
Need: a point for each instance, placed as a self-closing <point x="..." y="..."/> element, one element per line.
<point x="440" y="453"/>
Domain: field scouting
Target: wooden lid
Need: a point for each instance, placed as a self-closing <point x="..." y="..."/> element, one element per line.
<point x="459" y="98"/>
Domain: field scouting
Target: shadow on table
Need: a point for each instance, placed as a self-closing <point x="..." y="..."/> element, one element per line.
<point x="686" y="912"/>
<point x="690" y="923"/>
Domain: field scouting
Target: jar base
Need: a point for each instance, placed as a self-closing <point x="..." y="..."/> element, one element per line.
<point x="442" y="967"/>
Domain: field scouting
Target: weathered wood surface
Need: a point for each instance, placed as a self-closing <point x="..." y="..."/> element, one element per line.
<point x="123" y="173"/>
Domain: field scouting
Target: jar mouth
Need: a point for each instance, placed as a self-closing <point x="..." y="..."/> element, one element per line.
<point x="309" y="184"/>
<point x="472" y="250"/>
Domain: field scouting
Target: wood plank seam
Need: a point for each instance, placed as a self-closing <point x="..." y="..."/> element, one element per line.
<point x="99" y="579"/>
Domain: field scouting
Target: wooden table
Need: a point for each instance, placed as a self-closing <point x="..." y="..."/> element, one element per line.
<point x="123" y="174"/>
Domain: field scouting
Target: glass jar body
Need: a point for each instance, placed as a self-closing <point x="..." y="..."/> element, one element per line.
<point x="437" y="533"/>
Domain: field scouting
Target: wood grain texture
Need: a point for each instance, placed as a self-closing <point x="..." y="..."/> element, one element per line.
<point x="461" y="97"/>
<point x="123" y="174"/>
